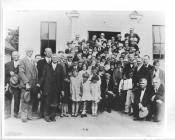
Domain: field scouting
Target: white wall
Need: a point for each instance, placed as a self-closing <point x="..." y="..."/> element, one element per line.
<point x="29" y="26"/>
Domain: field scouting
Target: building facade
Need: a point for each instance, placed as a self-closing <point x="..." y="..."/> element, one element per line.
<point x="55" y="28"/>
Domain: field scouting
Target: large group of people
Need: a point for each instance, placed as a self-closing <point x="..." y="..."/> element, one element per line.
<point x="89" y="77"/>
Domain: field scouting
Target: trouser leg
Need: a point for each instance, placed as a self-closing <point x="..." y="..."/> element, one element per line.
<point x="16" y="92"/>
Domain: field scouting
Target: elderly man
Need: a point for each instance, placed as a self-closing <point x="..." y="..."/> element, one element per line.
<point x="157" y="72"/>
<point x="12" y="81"/>
<point x="158" y="100"/>
<point x="139" y="72"/>
<point x="52" y="82"/>
<point x="146" y="63"/>
<point x="28" y="80"/>
<point x="142" y="99"/>
<point x="40" y="66"/>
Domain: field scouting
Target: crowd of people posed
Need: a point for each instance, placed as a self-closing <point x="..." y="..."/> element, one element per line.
<point x="90" y="77"/>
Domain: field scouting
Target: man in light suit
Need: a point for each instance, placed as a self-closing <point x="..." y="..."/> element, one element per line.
<point x="28" y="79"/>
<point x="157" y="72"/>
<point x="158" y="100"/>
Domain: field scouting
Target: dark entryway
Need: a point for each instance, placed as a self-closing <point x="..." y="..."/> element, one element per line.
<point x="108" y="34"/>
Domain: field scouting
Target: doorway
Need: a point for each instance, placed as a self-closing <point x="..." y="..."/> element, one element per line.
<point x="108" y="34"/>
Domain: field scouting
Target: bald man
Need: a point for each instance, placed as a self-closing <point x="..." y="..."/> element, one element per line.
<point x="52" y="82"/>
<point x="11" y="69"/>
<point x="40" y="66"/>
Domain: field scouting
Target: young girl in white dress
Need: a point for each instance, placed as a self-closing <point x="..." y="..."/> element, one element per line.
<point x="86" y="94"/>
<point x="96" y="94"/>
<point x="75" y="83"/>
<point x="84" y="70"/>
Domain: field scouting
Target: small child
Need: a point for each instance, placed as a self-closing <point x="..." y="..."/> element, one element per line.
<point x="75" y="93"/>
<point x="65" y="98"/>
<point x="96" y="94"/>
<point x="129" y="96"/>
<point x="86" y="95"/>
<point x="125" y="88"/>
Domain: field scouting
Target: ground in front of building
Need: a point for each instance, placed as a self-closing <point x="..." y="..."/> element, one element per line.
<point x="113" y="124"/>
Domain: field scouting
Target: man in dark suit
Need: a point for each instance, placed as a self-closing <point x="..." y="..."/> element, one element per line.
<point x="146" y="63"/>
<point x="158" y="100"/>
<point x="107" y="92"/>
<point x="129" y="67"/>
<point x="52" y="82"/>
<point x="157" y="72"/>
<point x="139" y="72"/>
<point x="142" y="98"/>
<point x="28" y="79"/>
<point x="133" y="36"/>
<point x="40" y="66"/>
<point x="11" y="69"/>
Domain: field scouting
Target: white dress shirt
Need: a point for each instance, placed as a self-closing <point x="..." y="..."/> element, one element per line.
<point x="48" y="59"/>
<point x="142" y="94"/>
<point x="54" y="66"/>
<point x="16" y="63"/>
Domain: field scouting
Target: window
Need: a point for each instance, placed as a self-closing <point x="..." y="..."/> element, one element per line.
<point x="158" y="41"/>
<point x="48" y="36"/>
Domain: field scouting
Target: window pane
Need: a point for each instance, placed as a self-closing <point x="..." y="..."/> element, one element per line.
<point x="44" y="31"/>
<point x="52" y="31"/>
<point x="162" y="33"/>
<point x="156" y="49"/>
<point x="156" y="31"/>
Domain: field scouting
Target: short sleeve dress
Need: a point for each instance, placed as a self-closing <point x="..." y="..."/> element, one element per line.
<point x="95" y="91"/>
<point x="75" y="88"/>
<point x="87" y="96"/>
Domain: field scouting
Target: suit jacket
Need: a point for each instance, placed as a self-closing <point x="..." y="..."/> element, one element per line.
<point x="40" y="66"/>
<point x="104" y="86"/>
<point x="161" y="76"/>
<point x="150" y="68"/>
<point x="142" y="73"/>
<point x="27" y="72"/>
<point x="127" y="69"/>
<point x="8" y="68"/>
<point x="117" y="75"/>
<point x="146" y="100"/>
<point x="52" y="80"/>
<point x="159" y="95"/>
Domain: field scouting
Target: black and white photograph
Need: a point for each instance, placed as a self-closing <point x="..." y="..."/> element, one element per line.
<point x="83" y="73"/>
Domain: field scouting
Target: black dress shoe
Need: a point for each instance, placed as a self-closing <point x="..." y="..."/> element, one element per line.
<point x="136" y="119"/>
<point x="53" y="119"/>
<point x="47" y="119"/>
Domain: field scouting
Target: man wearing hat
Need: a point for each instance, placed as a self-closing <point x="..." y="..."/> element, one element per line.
<point x="28" y="79"/>
<point x="12" y="81"/>
<point x="142" y="100"/>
